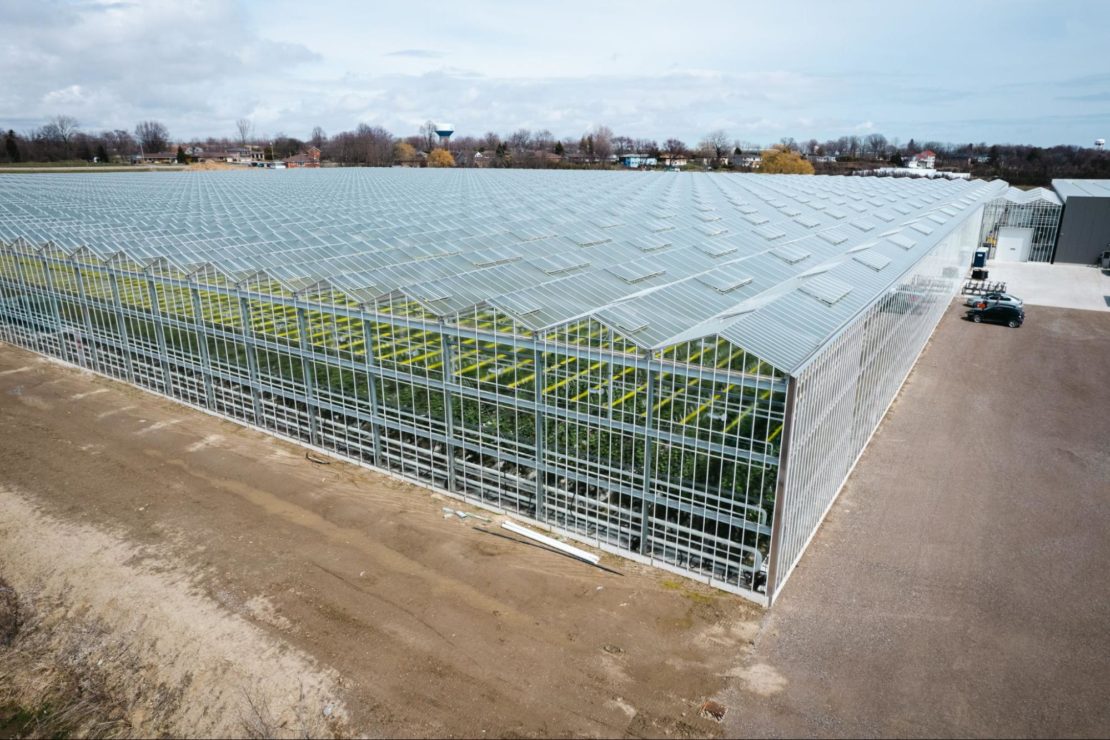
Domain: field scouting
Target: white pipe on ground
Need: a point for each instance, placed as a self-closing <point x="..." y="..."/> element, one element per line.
<point x="561" y="547"/>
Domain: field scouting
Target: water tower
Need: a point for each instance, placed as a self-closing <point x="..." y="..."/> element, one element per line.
<point x="444" y="131"/>
<point x="1100" y="143"/>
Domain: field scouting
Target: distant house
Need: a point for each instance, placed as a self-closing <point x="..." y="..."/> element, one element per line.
<point x="246" y="154"/>
<point x="822" y="158"/>
<point x="309" y="157"/>
<point x="746" y="160"/>
<point x="673" y="160"/>
<point x="635" y="161"/>
<point x="926" y="160"/>
<point x="154" y="158"/>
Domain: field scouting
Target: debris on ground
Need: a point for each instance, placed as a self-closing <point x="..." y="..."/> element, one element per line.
<point x="713" y="710"/>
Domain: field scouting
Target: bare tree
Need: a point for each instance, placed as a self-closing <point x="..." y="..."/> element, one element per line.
<point x="602" y="137"/>
<point x="715" y="145"/>
<point x="318" y="137"/>
<point x="428" y="133"/>
<point x="153" y="136"/>
<point x="674" y="147"/>
<point x="245" y="128"/>
<point x="61" y="129"/>
<point x="876" y="144"/>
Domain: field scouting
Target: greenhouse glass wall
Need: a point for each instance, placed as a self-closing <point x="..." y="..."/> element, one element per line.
<point x="678" y="368"/>
<point x="1038" y="211"/>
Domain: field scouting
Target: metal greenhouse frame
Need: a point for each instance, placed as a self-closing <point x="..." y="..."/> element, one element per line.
<point x="1037" y="209"/>
<point x="679" y="368"/>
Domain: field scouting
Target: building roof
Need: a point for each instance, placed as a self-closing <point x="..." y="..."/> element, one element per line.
<point x="1023" y="197"/>
<point x="775" y="263"/>
<point x="1082" y="188"/>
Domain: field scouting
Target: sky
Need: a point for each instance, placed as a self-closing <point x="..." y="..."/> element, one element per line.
<point x="1000" y="71"/>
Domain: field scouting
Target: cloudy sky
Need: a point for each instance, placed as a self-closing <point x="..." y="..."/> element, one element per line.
<point x="963" y="70"/>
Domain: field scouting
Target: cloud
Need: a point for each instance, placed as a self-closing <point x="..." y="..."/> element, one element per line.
<point x="417" y="54"/>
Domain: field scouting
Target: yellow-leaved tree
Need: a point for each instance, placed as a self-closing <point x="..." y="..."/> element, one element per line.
<point x="779" y="160"/>
<point x="404" y="152"/>
<point x="440" y="158"/>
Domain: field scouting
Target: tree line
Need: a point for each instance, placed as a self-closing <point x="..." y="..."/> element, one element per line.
<point x="61" y="138"/>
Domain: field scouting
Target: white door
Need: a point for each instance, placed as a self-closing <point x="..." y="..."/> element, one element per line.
<point x="1014" y="244"/>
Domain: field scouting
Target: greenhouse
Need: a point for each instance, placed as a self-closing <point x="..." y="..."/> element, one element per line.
<point x="680" y="368"/>
<point x="1021" y="225"/>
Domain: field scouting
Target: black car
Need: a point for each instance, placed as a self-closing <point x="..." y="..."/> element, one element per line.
<point x="998" y="313"/>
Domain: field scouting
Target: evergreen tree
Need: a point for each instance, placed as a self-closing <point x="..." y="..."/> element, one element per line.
<point x="101" y="153"/>
<point x="182" y="157"/>
<point x="11" y="146"/>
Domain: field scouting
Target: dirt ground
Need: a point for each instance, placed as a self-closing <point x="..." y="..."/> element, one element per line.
<point x="959" y="586"/>
<point x="243" y="575"/>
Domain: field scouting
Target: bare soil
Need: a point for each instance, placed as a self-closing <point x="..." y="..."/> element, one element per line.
<point x="253" y="591"/>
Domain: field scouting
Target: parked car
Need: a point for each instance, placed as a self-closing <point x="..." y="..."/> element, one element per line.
<point x="998" y="313"/>
<point x="1002" y="298"/>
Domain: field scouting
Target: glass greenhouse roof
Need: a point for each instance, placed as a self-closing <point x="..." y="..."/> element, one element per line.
<point x="661" y="257"/>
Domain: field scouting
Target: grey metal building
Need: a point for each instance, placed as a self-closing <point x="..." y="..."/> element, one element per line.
<point x="679" y="368"/>
<point x="1085" y="224"/>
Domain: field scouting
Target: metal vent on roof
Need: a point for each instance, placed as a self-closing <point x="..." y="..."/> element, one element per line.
<point x="712" y="230"/>
<point x="723" y="281"/>
<point x="606" y="223"/>
<point x="949" y="211"/>
<point x="648" y="244"/>
<point x="788" y="211"/>
<point x="530" y="234"/>
<point x="756" y="219"/>
<point x="874" y="260"/>
<point x="862" y="225"/>
<point x="747" y="209"/>
<point x="902" y="208"/>
<point x="770" y="233"/>
<point x="833" y="237"/>
<point x="709" y="217"/>
<point x="659" y="225"/>
<point x="883" y="216"/>
<point x="716" y="249"/>
<point x="589" y="238"/>
<point x="519" y="305"/>
<point x="493" y="256"/>
<point x="902" y="241"/>
<point x="923" y="228"/>
<point x="625" y="319"/>
<point x="556" y="264"/>
<point x="705" y="208"/>
<point x="790" y="254"/>
<point x="826" y="289"/>
<point x="836" y="213"/>
<point x="808" y="221"/>
<point x="635" y="271"/>
<point x="937" y="218"/>
<point x="429" y="293"/>
<point x="661" y="213"/>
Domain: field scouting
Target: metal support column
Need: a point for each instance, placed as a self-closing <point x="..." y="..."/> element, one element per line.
<point x="124" y="335"/>
<point x="372" y="389"/>
<point x="160" y="336"/>
<point x="252" y="361"/>
<point x="53" y="296"/>
<point x="774" y="567"/>
<point x="541" y="464"/>
<point x="83" y="301"/>
<point x="309" y="377"/>
<point x="202" y="342"/>
<point x="449" y="411"/>
<point x="646" y="498"/>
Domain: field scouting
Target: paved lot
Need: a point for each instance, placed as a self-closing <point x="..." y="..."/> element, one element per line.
<point x="1060" y="285"/>
<point x="960" y="585"/>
